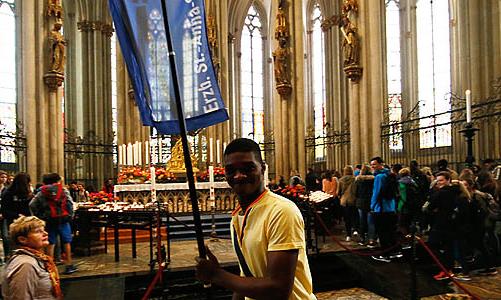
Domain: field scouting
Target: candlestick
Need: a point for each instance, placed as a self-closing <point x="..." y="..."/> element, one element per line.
<point x="468" y="106"/>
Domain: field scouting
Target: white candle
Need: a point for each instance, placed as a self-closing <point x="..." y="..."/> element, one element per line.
<point x="468" y="106"/>
<point x="211" y="174"/>
<point x="136" y="153"/>
<point x="224" y="146"/>
<point x="265" y="174"/>
<point x="124" y="154"/>
<point x="140" y="153"/>
<point x="147" y="153"/>
<point x="211" y="150"/>
<point x="119" y="155"/>
<point x="130" y="159"/>
<point x="218" y="152"/>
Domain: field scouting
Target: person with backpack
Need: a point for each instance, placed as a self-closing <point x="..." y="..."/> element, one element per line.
<point x="54" y="205"/>
<point x="383" y="207"/>
<point x="408" y="204"/>
<point x="483" y="225"/>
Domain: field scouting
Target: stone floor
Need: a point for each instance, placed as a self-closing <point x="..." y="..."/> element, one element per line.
<point x="183" y="257"/>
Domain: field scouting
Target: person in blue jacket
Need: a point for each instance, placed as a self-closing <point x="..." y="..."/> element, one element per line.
<point x="383" y="208"/>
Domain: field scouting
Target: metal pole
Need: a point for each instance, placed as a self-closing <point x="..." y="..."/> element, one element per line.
<point x="413" y="263"/>
<point x="184" y="138"/>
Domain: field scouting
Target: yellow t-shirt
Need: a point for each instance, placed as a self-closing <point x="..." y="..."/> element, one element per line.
<point x="273" y="223"/>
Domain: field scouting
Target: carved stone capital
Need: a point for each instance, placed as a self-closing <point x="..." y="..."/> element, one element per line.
<point x="107" y="30"/>
<point x="85" y="26"/>
<point x="284" y="89"/>
<point x="353" y="72"/>
<point x="53" y="80"/>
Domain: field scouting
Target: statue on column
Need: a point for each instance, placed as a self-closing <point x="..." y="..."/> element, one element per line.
<point x="351" y="47"/>
<point x="281" y="54"/>
<point x="57" y="45"/>
<point x="351" y="41"/>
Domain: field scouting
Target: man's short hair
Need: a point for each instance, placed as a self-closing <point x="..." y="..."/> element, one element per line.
<point x="244" y="145"/>
<point x="378" y="159"/>
<point x="51" y="178"/>
<point x="446" y="175"/>
<point x="442" y="163"/>
<point x="22" y="226"/>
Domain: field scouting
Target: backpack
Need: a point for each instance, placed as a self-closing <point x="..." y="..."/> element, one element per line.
<point x="413" y="202"/>
<point x="491" y="208"/>
<point x="389" y="190"/>
<point x="59" y="205"/>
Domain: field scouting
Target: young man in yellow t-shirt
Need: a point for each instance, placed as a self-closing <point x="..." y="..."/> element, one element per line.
<point x="267" y="232"/>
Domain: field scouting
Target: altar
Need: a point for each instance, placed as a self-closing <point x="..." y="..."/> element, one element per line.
<point x="176" y="196"/>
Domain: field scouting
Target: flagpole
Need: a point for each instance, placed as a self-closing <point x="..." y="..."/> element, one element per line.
<point x="184" y="138"/>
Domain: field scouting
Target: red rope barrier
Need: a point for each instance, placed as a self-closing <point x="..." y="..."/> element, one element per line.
<point x="441" y="266"/>
<point x="372" y="253"/>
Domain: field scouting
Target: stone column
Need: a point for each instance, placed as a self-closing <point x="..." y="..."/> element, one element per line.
<point x="40" y="71"/>
<point x="96" y="30"/>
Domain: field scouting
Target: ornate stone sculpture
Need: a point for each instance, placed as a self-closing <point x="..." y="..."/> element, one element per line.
<point x="351" y="41"/>
<point x="57" y="50"/>
<point x="281" y="54"/>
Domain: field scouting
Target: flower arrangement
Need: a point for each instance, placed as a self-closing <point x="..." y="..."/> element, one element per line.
<point x="102" y="197"/>
<point x="163" y="175"/>
<point x="218" y="175"/>
<point x="132" y="175"/>
<point x="295" y="192"/>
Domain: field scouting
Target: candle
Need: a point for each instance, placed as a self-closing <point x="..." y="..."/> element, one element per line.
<point x="218" y="152"/>
<point x="129" y="154"/>
<point x="124" y="154"/>
<point x="211" y="150"/>
<point x="119" y="155"/>
<point x="147" y="152"/>
<point x="224" y="146"/>
<point x="468" y="106"/>
<point x="140" y="153"/>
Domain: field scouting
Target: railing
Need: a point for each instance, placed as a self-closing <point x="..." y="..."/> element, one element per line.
<point x="406" y="136"/>
<point x="12" y="151"/>
<point x="89" y="159"/>
<point x="330" y="142"/>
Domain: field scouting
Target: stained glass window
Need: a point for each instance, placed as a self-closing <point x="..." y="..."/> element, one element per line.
<point x="434" y="79"/>
<point x="8" y="90"/>
<point x="393" y="69"/>
<point x="318" y="81"/>
<point x="252" y="77"/>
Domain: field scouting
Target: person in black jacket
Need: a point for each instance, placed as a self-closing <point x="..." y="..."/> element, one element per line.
<point x="449" y="209"/>
<point x="363" y="193"/>
<point x="15" y="202"/>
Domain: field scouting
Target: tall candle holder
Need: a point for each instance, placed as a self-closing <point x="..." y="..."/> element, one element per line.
<point x="469" y="132"/>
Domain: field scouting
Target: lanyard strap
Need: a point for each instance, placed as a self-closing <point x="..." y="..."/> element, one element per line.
<point x="241" y="258"/>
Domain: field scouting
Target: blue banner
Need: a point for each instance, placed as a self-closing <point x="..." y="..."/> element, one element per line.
<point x="140" y="30"/>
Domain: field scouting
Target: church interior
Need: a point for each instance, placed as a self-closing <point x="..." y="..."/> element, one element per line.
<point x="318" y="84"/>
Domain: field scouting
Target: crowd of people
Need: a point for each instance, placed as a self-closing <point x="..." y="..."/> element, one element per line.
<point x="36" y="228"/>
<point x="381" y="205"/>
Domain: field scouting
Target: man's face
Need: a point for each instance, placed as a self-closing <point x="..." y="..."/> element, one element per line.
<point x="375" y="165"/>
<point x="244" y="173"/>
<point x="442" y="181"/>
